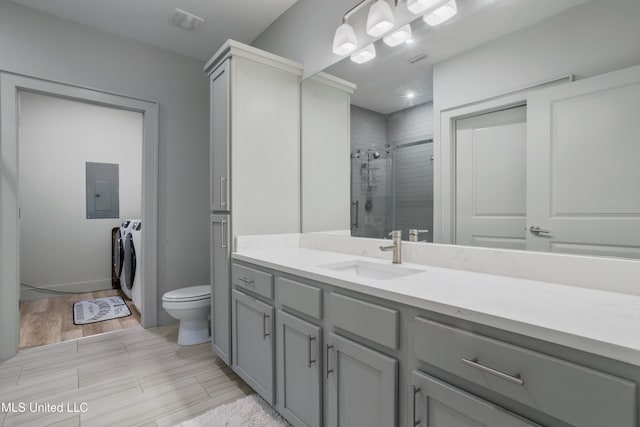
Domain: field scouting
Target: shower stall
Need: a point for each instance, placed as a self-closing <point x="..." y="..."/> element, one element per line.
<point x="392" y="189"/>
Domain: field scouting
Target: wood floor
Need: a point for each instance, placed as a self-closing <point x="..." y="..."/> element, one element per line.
<point x="131" y="377"/>
<point x="50" y="320"/>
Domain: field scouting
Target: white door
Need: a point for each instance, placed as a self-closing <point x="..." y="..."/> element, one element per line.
<point x="584" y="166"/>
<point x="491" y="179"/>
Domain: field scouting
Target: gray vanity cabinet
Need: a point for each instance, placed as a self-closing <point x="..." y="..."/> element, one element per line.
<point x="299" y="370"/>
<point x="253" y="345"/>
<point x="362" y="385"/>
<point x="220" y="292"/>
<point x="438" y="404"/>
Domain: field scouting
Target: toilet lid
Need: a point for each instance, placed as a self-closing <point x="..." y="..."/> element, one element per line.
<point x="192" y="293"/>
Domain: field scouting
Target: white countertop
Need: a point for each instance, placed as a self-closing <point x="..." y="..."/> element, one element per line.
<point x="595" y="321"/>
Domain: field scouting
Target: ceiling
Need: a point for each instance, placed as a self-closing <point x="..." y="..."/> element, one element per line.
<point x="382" y="83"/>
<point x="148" y="20"/>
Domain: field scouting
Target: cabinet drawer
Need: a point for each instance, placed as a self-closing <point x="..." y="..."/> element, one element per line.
<point x="298" y="296"/>
<point x="373" y="322"/>
<point x="252" y="280"/>
<point x="572" y="393"/>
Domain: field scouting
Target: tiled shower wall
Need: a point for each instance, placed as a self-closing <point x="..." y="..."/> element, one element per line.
<point x="371" y="179"/>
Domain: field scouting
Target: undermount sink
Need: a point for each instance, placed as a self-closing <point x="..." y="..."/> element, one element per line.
<point x="370" y="270"/>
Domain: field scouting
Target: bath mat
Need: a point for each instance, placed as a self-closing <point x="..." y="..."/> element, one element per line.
<point x="250" y="411"/>
<point x="99" y="310"/>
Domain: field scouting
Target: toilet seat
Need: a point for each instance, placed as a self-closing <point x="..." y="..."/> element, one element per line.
<point x="192" y="293"/>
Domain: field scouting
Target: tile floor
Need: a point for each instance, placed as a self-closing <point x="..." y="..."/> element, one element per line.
<point x="131" y="377"/>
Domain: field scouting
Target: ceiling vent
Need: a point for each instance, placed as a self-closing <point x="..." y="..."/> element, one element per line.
<point x="417" y="58"/>
<point x="186" y="20"/>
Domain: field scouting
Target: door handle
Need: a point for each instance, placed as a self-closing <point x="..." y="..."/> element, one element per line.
<point x="310" y="360"/>
<point x="329" y="347"/>
<point x="354" y="221"/>
<point x="265" y="316"/>
<point x="223" y="244"/>
<point x="414" y="390"/>
<point x="223" y="180"/>
<point x="537" y="230"/>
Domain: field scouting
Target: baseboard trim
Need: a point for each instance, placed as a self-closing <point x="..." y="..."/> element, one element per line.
<point x="27" y="294"/>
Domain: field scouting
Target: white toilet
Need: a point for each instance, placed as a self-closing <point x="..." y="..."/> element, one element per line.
<point x="192" y="307"/>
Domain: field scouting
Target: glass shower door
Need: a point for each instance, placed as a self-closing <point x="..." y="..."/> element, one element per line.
<point x="412" y="188"/>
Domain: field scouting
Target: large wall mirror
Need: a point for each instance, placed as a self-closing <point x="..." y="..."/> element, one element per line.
<point x="552" y="169"/>
<point x="392" y="139"/>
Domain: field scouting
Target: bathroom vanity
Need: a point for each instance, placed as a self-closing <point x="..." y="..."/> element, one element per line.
<point x="332" y="338"/>
<point x="331" y="333"/>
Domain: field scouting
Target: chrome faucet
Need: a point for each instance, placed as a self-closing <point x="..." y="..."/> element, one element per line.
<point x="414" y="233"/>
<point x="396" y="236"/>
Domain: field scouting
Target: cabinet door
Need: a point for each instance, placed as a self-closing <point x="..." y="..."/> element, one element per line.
<point x="221" y="287"/>
<point x="438" y="404"/>
<point x="299" y="370"/>
<point x="362" y="385"/>
<point x="252" y="336"/>
<point x="220" y="107"/>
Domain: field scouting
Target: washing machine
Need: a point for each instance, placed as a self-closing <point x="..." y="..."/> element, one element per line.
<point x="118" y="253"/>
<point x="133" y="264"/>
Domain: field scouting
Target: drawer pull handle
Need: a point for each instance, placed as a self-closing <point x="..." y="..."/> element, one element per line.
<point x="415" y="391"/>
<point x="246" y="281"/>
<point x="310" y="360"/>
<point x="474" y="364"/>
<point x="329" y="347"/>
<point x="265" y="316"/>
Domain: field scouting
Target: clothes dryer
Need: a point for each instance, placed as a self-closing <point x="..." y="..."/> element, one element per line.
<point x="118" y="253"/>
<point x="133" y="264"/>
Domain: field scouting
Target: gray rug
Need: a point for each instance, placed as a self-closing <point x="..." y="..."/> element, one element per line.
<point x="99" y="310"/>
<point x="250" y="411"/>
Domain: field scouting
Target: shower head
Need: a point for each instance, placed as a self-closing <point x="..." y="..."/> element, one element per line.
<point x="376" y="155"/>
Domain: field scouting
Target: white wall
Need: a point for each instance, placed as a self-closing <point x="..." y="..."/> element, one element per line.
<point x="58" y="244"/>
<point x="41" y="45"/>
<point x="590" y="39"/>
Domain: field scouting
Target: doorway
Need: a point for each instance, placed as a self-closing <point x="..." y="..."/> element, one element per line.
<point x="80" y="174"/>
<point x="491" y="162"/>
<point x="11" y="85"/>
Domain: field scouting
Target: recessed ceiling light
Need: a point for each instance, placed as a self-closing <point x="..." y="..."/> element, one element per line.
<point x="409" y="41"/>
<point x="185" y="20"/>
<point x="410" y="95"/>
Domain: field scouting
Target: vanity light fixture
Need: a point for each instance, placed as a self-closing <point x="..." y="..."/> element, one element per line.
<point x="399" y="36"/>
<point x="380" y="19"/>
<point x="441" y="14"/>
<point x="419" y="6"/>
<point x="345" y="40"/>
<point x="364" y="55"/>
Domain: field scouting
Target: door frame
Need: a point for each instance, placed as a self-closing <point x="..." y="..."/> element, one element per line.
<point x="10" y="86"/>
<point x="444" y="168"/>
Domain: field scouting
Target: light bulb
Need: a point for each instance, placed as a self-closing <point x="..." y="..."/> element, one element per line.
<point x="441" y="14"/>
<point x="399" y="36"/>
<point x="364" y="55"/>
<point x="344" y="41"/>
<point x="419" y="6"/>
<point x="380" y="19"/>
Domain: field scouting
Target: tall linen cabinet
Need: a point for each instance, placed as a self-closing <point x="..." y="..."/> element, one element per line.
<point x="254" y="162"/>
